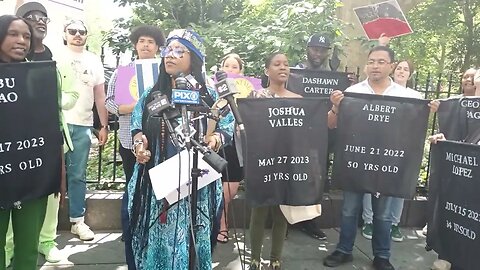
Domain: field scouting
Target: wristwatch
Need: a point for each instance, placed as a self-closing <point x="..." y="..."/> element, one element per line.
<point x="102" y="126"/>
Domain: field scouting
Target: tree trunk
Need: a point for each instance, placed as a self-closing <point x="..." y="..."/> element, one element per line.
<point x="469" y="24"/>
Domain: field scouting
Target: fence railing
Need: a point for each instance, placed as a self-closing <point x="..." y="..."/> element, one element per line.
<point x="431" y="86"/>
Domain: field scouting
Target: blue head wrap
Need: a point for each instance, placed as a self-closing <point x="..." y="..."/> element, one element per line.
<point x="189" y="39"/>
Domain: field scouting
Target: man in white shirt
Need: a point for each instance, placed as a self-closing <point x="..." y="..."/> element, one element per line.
<point x="81" y="71"/>
<point x="379" y="67"/>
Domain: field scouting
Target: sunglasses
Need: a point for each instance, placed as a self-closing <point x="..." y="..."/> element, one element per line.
<point x="37" y="18"/>
<point x="175" y="52"/>
<point x="73" y="32"/>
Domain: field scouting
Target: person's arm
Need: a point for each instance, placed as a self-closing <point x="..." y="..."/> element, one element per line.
<point x="437" y="137"/>
<point x="336" y="97"/>
<point x="140" y="141"/>
<point x="384" y="40"/>
<point x="99" y="95"/>
<point x="110" y="103"/>
<point x="224" y="129"/>
<point x="434" y="104"/>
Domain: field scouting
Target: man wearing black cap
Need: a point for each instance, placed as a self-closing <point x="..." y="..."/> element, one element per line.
<point x="318" y="49"/>
<point x="36" y="15"/>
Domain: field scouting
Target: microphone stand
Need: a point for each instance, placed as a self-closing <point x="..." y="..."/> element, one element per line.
<point x="195" y="173"/>
<point x="210" y="157"/>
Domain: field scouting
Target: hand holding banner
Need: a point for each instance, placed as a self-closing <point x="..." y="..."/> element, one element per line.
<point x="380" y="141"/>
<point x="286" y="150"/>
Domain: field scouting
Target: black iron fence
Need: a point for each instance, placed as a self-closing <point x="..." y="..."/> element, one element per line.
<point x="432" y="86"/>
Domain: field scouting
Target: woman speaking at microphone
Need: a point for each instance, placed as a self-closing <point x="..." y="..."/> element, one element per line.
<point x="160" y="232"/>
<point x="277" y="71"/>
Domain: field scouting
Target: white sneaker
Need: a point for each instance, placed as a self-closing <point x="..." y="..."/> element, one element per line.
<point x="8" y="257"/>
<point x="50" y="251"/>
<point x="441" y="265"/>
<point x="83" y="231"/>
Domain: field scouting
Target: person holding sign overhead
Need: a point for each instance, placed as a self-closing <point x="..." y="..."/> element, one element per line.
<point x="231" y="63"/>
<point x="379" y="67"/>
<point x="277" y="71"/>
<point x="27" y="218"/>
<point x="147" y="41"/>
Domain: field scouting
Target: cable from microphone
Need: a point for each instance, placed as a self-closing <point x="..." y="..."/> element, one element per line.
<point x="226" y="89"/>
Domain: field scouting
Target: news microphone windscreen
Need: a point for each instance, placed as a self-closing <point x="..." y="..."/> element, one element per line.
<point x="158" y="104"/>
<point x="181" y="82"/>
<point x="221" y="75"/>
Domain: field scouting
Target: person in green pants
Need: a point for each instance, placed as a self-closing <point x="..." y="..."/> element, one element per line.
<point x="26" y="218"/>
<point x="36" y="15"/>
<point x="277" y="71"/>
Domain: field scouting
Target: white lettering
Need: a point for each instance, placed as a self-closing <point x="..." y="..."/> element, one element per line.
<point x="7" y="82"/>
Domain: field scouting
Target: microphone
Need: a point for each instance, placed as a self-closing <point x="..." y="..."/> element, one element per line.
<point x="159" y="104"/>
<point x="176" y="132"/>
<point x="226" y="89"/>
<point x="183" y="97"/>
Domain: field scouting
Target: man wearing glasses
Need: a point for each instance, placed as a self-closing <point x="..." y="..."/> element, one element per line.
<point x="36" y="15"/>
<point x="379" y="67"/>
<point x="81" y="71"/>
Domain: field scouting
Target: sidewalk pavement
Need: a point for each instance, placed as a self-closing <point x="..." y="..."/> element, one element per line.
<point x="301" y="252"/>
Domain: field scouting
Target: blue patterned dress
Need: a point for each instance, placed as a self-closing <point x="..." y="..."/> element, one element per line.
<point x="159" y="251"/>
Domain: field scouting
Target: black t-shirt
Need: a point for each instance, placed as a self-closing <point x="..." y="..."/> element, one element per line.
<point x="43" y="56"/>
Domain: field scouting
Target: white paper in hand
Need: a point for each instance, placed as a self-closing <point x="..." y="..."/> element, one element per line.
<point x="165" y="177"/>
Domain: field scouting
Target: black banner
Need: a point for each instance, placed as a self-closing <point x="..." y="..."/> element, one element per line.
<point x="30" y="141"/>
<point x="286" y="150"/>
<point x="380" y="141"/>
<point x="454" y="204"/>
<point x="459" y="118"/>
<point x="312" y="83"/>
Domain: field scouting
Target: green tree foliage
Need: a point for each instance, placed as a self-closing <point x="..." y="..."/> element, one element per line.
<point x="274" y="26"/>
<point x="446" y="36"/>
<point x="253" y="31"/>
